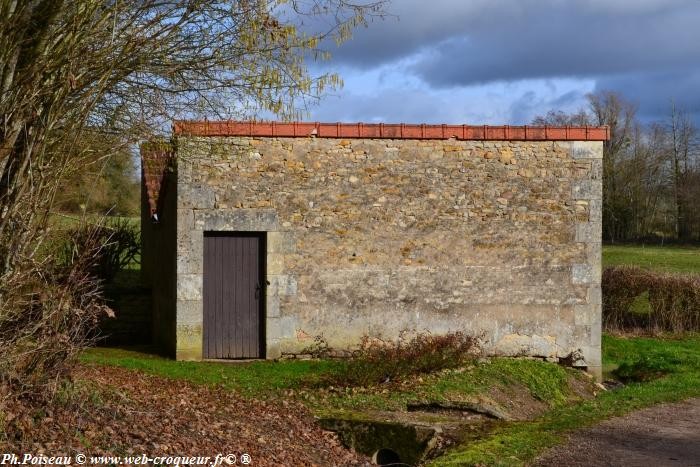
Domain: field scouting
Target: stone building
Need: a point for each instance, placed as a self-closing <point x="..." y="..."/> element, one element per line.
<point x="258" y="237"/>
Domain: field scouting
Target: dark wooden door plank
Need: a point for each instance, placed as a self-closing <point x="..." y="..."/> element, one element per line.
<point x="233" y="295"/>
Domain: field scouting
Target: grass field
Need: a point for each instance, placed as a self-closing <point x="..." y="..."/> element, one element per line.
<point x="659" y="258"/>
<point x="61" y="220"/>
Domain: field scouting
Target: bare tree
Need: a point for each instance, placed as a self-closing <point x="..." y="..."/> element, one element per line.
<point x="651" y="172"/>
<point x="126" y="67"/>
<point x="611" y="109"/>
<point x="649" y="149"/>
<point x="560" y="118"/>
<point x="682" y="135"/>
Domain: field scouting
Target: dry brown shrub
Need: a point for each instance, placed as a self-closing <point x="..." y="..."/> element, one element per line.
<point x="386" y="361"/>
<point x="673" y="301"/>
<point x="48" y="311"/>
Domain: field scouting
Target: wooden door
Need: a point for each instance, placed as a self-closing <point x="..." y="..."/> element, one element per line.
<point x="233" y="295"/>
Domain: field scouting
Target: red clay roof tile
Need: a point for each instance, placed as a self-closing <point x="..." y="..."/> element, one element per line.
<point x="393" y="131"/>
<point x="156" y="157"/>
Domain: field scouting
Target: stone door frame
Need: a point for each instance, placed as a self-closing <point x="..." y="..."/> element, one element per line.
<point x="191" y="225"/>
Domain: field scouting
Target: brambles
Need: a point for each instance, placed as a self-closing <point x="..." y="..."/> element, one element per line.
<point x="319" y="348"/>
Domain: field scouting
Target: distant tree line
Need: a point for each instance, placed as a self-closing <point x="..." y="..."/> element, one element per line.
<point x="105" y="180"/>
<point x="651" y="171"/>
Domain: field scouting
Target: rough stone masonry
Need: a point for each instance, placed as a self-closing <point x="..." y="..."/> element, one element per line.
<point x="499" y="238"/>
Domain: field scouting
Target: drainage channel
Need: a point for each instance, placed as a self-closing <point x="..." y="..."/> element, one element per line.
<point x="408" y="438"/>
<point x="386" y="442"/>
<point x="388" y="457"/>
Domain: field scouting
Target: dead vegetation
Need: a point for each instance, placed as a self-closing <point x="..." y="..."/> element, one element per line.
<point x="635" y="299"/>
<point x="118" y="412"/>
<point x="49" y="309"/>
<point x="378" y="361"/>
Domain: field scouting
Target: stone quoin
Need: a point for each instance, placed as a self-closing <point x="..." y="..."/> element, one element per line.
<point x="371" y="230"/>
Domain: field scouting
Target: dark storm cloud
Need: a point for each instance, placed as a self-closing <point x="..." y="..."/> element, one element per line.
<point x="561" y="44"/>
<point x="476" y="41"/>
<point x="647" y="49"/>
<point x="568" y="99"/>
<point x="655" y="92"/>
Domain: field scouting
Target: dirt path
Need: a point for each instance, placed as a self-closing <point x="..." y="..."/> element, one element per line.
<point x="664" y="435"/>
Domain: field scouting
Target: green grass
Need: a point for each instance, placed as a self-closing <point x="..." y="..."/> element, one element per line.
<point x="257" y="378"/>
<point x="546" y="382"/>
<point x="61" y="220"/>
<point x="658" y="258"/>
<point x="519" y="443"/>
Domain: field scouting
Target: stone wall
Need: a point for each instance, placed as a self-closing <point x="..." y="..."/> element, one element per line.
<point x="374" y="236"/>
<point x="132" y="321"/>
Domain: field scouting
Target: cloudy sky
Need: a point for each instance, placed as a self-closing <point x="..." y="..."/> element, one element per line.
<point x="506" y="61"/>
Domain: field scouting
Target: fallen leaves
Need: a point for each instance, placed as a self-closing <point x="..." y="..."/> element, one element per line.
<point x="119" y="412"/>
